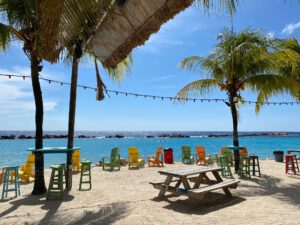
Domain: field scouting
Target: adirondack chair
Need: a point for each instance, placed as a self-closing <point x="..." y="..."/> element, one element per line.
<point x="201" y="156"/>
<point x="228" y="153"/>
<point x="157" y="159"/>
<point x="2" y="174"/>
<point x="26" y="170"/>
<point x="114" y="160"/>
<point x="187" y="157"/>
<point x="76" y="161"/>
<point x="133" y="158"/>
<point x="243" y="152"/>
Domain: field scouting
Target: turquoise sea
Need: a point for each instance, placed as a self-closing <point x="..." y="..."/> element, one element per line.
<point x="13" y="152"/>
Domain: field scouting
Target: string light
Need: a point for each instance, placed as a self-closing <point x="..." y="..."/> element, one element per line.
<point x="151" y="96"/>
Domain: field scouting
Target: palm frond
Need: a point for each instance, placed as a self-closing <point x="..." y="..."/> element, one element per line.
<point x="269" y="84"/>
<point x="192" y="63"/>
<point x="261" y="97"/>
<point x="117" y="74"/>
<point x="219" y="6"/>
<point x="4" y="36"/>
<point x="197" y="87"/>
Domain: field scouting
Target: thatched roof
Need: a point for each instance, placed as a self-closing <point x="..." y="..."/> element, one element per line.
<point x="130" y="24"/>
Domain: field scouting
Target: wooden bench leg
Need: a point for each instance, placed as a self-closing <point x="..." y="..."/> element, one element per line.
<point x="198" y="181"/>
<point x="178" y="184"/>
<point x="163" y="189"/>
<point x="185" y="183"/>
<point x="219" y="179"/>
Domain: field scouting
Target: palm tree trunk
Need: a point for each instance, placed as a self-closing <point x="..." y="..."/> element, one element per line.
<point x="72" y="103"/>
<point x="235" y="123"/>
<point x="235" y="134"/>
<point x="39" y="181"/>
<point x="72" y="110"/>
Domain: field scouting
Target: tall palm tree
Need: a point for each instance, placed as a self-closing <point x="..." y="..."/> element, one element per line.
<point x="21" y="23"/>
<point x="239" y="61"/>
<point x="76" y="48"/>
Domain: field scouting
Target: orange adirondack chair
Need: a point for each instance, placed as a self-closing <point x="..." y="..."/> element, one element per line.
<point x="155" y="160"/>
<point x="243" y="152"/>
<point x="201" y="156"/>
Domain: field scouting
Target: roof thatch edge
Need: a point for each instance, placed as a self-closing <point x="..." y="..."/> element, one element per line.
<point x="142" y="34"/>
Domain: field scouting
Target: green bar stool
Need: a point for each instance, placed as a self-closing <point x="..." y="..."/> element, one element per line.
<point x="56" y="184"/>
<point x="223" y="162"/>
<point x="11" y="177"/>
<point x="85" y="172"/>
<point x="244" y="166"/>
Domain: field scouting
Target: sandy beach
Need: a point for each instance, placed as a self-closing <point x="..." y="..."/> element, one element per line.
<point x="126" y="197"/>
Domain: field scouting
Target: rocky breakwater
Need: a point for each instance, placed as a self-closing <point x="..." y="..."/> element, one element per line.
<point x="173" y="136"/>
<point x="272" y="134"/>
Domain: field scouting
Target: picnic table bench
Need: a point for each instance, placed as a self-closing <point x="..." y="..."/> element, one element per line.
<point x="197" y="176"/>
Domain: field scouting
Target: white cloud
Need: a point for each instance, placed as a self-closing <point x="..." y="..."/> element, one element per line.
<point x="290" y="28"/>
<point x="161" y="78"/>
<point x="16" y="97"/>
<point x="174" y="32"/>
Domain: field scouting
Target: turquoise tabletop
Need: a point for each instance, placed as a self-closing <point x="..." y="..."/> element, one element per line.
<point x="53" y="149"/>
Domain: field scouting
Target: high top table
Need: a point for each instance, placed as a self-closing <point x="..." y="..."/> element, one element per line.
<point x="236" y="156"/>
<point x="55" y="150"/>
<point x="290" y="151"/>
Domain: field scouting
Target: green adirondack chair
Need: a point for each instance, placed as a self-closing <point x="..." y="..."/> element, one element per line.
<point x="187" y="157"/>
<point x="114" y="160"/>
<point x="228" y="153"/>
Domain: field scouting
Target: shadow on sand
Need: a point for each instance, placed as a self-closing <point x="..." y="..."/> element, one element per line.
<point x="108" y="214"/>
<point x="211" y="202"/>
<point x="269" y="185"/>
<point x="51" y="206"/>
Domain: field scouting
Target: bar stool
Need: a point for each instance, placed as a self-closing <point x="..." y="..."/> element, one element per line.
<point x="255" y="164"/>
<point x="291" y="163"/>
<point x="56" y="184"/>
<point x="244" y="166"/>
<point x="224" y="164"/>
<point x="11" y="177"/>
<point x="85" y="172"/>
<point x="296" y="163"/>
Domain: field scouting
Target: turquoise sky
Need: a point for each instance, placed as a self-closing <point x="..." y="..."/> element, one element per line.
<point x="154" y="72"/>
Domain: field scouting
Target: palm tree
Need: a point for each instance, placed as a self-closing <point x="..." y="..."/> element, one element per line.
<point x="76" y="48"/>
<point x="21" y="22"/>
<point x="239" y="61"/>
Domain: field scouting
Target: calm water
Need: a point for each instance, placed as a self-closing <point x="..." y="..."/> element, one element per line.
<point x="13" y="152"/>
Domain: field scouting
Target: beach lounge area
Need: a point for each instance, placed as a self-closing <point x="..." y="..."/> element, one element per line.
<point x="139" y="141"/>
<point x="126" y="197"/>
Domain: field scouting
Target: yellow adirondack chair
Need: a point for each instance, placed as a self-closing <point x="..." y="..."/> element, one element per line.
<point x="157" y="159"/>
<point x="27" y="170"/>
<point x="133" y="158"/>
<point x="76" y="161"/>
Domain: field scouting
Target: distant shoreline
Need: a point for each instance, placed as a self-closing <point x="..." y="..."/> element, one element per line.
<point x="165" y="135"/>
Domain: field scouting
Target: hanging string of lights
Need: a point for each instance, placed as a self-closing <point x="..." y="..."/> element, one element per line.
<point x="155" y="97"/>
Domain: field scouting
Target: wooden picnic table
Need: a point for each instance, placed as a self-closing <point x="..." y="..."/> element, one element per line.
<point x="192" y="180"/>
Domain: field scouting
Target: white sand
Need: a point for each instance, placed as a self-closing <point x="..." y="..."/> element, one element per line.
<point x="126" y="197"/>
